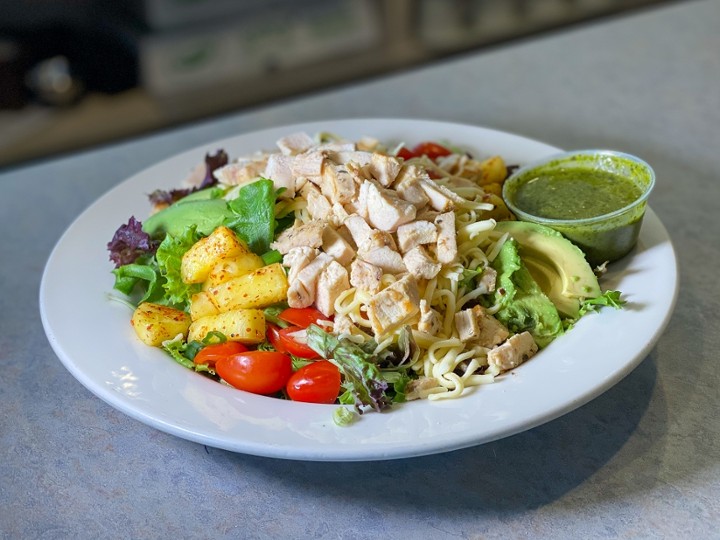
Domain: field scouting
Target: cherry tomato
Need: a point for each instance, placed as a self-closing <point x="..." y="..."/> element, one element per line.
<point x="318" y="382"/>
<point x="302" y="317"/>
<point x="293" y="347"/>
<point x="272" y="333"/>
<point x="431" y="150"/>
<point x="405" y="153"/>
<point x="212" y="353"/>
<point x="259" y="372"/>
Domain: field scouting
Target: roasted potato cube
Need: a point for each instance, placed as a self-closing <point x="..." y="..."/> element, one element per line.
<point x="261" y="288"/>
<point x="493" y="170"/>
<point x="202" y="305"/>
<point x="243" y="325"/>
<point x="154" y="323"/>
<point x="231" y="268"/>
<point x="200" y="259"/>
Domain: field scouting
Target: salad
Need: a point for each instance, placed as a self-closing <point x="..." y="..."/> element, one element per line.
<point x="350" y="272"/>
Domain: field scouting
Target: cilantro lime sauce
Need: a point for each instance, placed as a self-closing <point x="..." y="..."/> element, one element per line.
<point x="596" y="199"/>
<point x="576" y="194"/>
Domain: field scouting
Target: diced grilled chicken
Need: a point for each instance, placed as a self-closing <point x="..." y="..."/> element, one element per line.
<point x="359" y="229"/>
<point x="420" y="388"/>
<point x="365" y="276"/>
<point x="384" y="168"/>
<point x="242" y="172"/>
<point x="309" y="234"/>
<point x="487" y="280"/>
<point x="420" y="264"/>
<point x="477" y="325"/>
<point x="302" y="291"/>
<point x="394" y="305"/>
<point x="278" y="169"/>
<point x="417" y="233"/>
<point x="337" y="247"/>
<point x="296" y="259"/>
<point x="386" y="211"/>
<point x="332" y="282"/>
<point x="337" y="146"/>
<point x="513" y="352"/>
<point x="386" y="258"/>
<point x="337" y="184"/>
<point x="429" y="319"/>
<point x="441" y="198"/>
<point x="342" y="324"/>
<point x="317" y="204"/>
<point x="295" y="143"/>
<point x="308" y="164"/>
<point x="407" y="185"/>
<point x="446" y="242"/>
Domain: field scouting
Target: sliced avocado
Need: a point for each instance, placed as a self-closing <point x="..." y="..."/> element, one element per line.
<point x="206" y="214"/>
<point x="523" y="305"/>
<point x="556" y="264"/>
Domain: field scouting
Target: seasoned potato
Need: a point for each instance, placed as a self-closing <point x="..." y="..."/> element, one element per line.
<point x="200" y="259"/>
<point x="261" y="288"/>
<point x="243" y="325"/>
<point x="154" y="323"/>
<point x="231" y="268"/>
<point x="201" y="305"/>
<point x="489" y="171"/>
<point x="493" y="170"/>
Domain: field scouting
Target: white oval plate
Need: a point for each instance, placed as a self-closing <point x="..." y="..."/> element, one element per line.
<point x="93" y="338"/>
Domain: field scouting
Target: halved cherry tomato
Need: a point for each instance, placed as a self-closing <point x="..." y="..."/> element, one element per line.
<point x="431" y="149"/>
<point x="272" y="333"/>
<point x="318" y="382"/>
<point x="302" y="317"/>
<point x="212" y="353"/>
<point x="259" y="372"/>
<point x="288" y="344"/>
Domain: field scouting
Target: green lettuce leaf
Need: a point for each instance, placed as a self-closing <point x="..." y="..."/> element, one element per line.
<point x="254" y="215"/>
<point x="169" y="259"/>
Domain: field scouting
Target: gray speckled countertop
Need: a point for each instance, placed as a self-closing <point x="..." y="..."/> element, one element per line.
<point x="640" y="461"/>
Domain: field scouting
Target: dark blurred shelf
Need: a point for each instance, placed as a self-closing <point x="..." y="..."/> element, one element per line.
<point x="193" y="72"/>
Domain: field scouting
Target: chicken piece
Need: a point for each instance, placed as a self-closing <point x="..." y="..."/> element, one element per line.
<point x="342" y="324"/>
<point x="317" y="205"/>
<point x="298" y="258"/>
<point x="384" y="168"/>
<point x="487" y="280"/>
<point x="295" y="143"/>
<point x="302" y="291"/>
<point x="429" y="319"/>
<point x="446" y="242"/>
<point x="278" y="169"/>
<point x="337" y="247"/>
<point x="242" y="172"/>
<point x="337" y="146"/>
<point x="308" y="164"/>
<point x="332" y="282"/>
<point x="407" y="185"/>
<point x="365" y="276"/>
<point x="309" y="234"/>
<point x="360" y="206"/>
<point x="417" y="233"/>
<point x="441" y="198"/>
<point x="337" y="184"/>
<point x="386" y="258"/>
<point x="419" y="263"/>
<point x="513" y="352"/>
<point x="385" y="210"/>
<point x="421" y="388"/>
<point x="477" y="325"/>
<point x="339" y="215"/>
<point x="359" y="229"/>
<point x="394" y="305"/>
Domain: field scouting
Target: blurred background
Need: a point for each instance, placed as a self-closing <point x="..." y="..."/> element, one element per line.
<point x="80" y="73"/>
